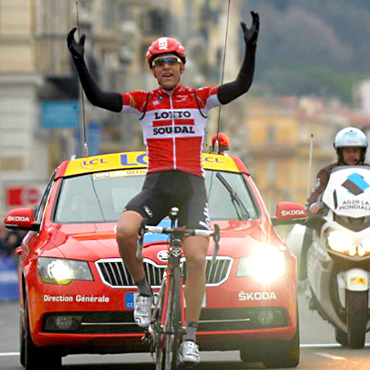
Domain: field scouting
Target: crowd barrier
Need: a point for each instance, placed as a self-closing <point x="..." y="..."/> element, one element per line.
<point x="9" y="289"/>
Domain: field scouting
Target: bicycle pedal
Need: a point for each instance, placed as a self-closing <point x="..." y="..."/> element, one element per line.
<point x="146" y="341"/>
<point x="147" y="337"/>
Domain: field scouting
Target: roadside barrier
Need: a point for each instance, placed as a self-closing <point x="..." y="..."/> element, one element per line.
<point x="9" y="289"/>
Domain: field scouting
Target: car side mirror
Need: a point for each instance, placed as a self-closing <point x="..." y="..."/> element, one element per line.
<point x="21" y="219"/>
<point x="288" y="213"/>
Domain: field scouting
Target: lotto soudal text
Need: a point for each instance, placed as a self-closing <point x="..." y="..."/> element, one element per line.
<point x="77" y="298"/>
<point x="164" y="115"/>
<point x="163" y="122"/>
<point x="354" y="204"/>
<point x="176" y="130"/>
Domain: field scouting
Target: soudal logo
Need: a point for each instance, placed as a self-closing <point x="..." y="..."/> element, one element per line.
<point x="18" y="218"/>
<point x="172" y="114"/>
<point x="293" y="212"/>
<point x="256" y="296"/>
<point x="175" y="130"/>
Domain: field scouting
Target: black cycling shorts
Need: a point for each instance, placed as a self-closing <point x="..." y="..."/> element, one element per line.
<point x="163" y="190"/>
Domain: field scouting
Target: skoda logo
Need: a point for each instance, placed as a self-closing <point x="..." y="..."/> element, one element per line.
<point x="162" y="256"/>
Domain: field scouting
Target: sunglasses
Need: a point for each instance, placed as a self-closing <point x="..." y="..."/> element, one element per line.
<point x="170" y="60"/>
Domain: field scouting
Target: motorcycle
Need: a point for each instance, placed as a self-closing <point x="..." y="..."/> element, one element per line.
<point x="337" y="262"/>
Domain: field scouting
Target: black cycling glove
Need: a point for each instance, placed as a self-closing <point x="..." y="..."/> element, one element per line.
<point x="76" y="49"/>
<point x="251" y="34"/>
<point x="108" y="100"/>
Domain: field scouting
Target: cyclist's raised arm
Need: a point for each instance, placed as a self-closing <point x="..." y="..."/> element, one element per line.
<point x="108" y="100"/>
<point x="230" y="91"/>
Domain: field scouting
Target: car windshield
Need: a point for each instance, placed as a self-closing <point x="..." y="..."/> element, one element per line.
<point x="101" y="197"/>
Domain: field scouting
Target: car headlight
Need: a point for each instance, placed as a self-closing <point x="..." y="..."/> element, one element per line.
<point x="340" y="242"/>
<point x="265" y="266"/>
<point x="62" y="271"/>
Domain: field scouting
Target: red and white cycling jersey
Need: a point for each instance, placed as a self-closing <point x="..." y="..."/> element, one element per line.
<point x="173" y="125"/>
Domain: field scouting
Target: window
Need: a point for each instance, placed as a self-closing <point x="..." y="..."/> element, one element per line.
<point x="39" y="214"/>
<point x="101" y="197"/>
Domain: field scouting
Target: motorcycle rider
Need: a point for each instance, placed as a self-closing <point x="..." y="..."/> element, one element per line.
<point x="175" y="175"/>
<point x="350" y="145"/>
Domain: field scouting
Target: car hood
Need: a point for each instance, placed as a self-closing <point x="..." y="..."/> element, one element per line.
<point x="93" y="242"/>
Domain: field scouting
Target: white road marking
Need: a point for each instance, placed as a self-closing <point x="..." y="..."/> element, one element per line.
<point x="323" y="345"/>
<point x="9" y="354"/>
<point x="332" y="357"/>
<point x="318" y="345"/>
<point x="311" y="345"/>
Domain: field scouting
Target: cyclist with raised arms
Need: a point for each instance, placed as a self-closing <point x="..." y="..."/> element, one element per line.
<point x="173" y="119"/>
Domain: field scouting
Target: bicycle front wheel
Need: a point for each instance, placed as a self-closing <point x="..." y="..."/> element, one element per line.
<point x="175" y="319"/>
<point x="168" y="353"/>
<point x="159" y="342"/>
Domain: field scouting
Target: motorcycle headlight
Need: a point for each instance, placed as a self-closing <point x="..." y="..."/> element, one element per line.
<point x="366" y="244"/>
<point x="62" y="271"/>
<point x="340" y="242"/>
<point x="264" y="266"/>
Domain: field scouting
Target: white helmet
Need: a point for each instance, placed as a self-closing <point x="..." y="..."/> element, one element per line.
<point x="350" y="137"/>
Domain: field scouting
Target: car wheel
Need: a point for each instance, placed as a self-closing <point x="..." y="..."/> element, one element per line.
<point x="341" y="337"/>
<point x="287" y="355"/>
<point x="35" y="357"/>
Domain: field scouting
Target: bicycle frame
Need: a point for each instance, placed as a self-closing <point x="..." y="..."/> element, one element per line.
<point x="171" y="326"/>
<point x="168" y="319"/>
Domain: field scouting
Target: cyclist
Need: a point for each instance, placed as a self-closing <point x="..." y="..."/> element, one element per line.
<point x="350" y="145"/>
<point x="173" y="119"/>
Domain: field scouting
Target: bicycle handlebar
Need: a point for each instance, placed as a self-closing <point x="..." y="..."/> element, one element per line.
<point x="185" y="232"/>
<point x="178" y="230"/>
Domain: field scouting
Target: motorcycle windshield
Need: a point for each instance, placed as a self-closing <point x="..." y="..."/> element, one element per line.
<point x="348" y="194"/>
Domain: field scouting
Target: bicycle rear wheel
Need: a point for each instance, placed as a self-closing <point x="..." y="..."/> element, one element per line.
<point x="168" y="345"/>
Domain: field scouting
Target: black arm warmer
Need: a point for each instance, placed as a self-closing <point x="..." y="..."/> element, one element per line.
<point x="232" y="90"/>
<point x="108" y="100"/>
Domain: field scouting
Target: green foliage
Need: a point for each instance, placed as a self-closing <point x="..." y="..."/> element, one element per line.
<point x="313" y="80"/>
<point x="312" y="47"/>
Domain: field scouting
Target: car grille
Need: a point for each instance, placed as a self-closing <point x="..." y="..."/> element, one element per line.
<point x="114" y="272"/>
<point x="217" y="320"/>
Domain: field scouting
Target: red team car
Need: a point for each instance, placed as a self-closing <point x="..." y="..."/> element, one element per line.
<point x="76" y="295"/>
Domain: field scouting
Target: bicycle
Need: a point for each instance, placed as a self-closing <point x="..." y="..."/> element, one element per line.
<point x="167" y="326"/>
